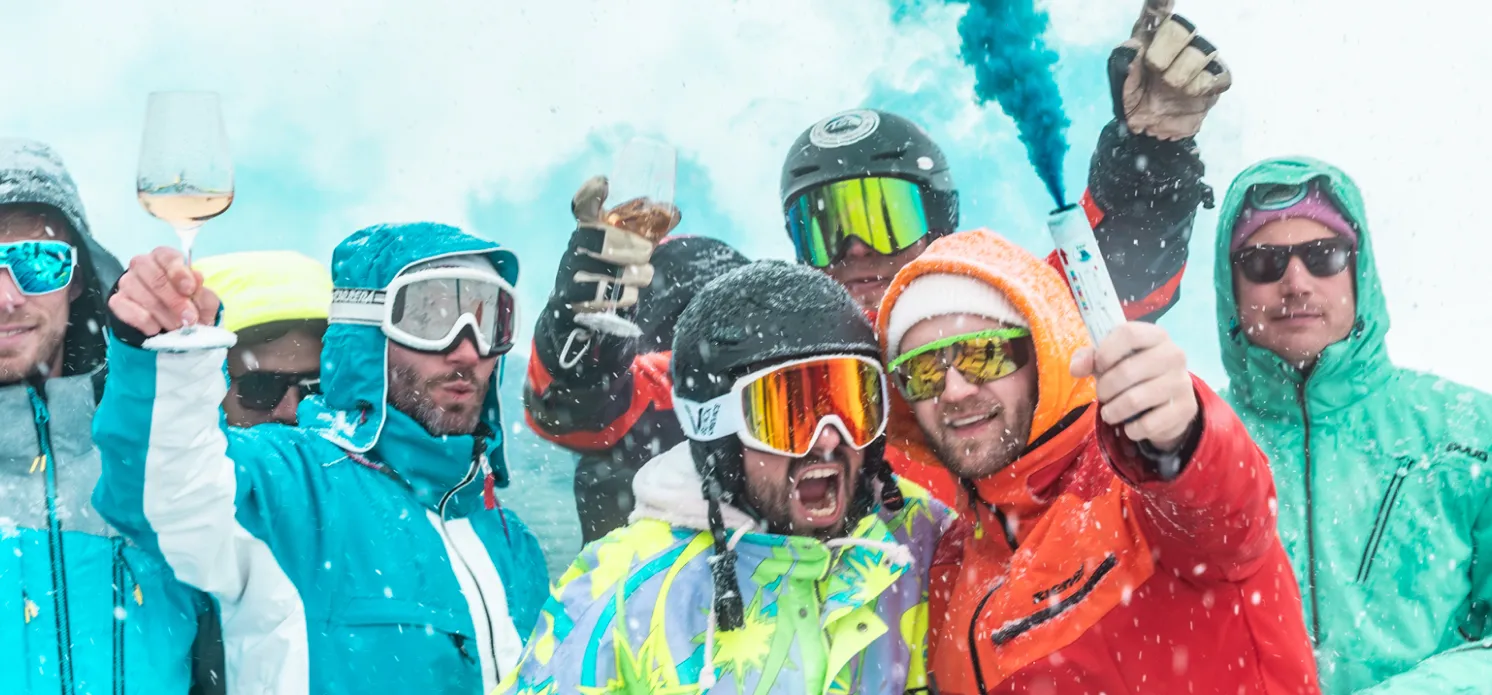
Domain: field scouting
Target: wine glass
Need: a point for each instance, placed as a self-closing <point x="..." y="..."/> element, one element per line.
<point x="643" y="184"/>
<point x="185" y="175"/>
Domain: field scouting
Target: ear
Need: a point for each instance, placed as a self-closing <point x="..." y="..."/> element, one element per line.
<point x="75" y="288"/>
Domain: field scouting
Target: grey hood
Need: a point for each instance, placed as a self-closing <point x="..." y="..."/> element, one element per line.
<point x="30" y="172"/>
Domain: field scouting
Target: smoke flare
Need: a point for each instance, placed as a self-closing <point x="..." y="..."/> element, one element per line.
<point x="1004" y="41"/>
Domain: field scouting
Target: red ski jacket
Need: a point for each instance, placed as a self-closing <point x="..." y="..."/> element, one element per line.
<point x="1077" y="568"/>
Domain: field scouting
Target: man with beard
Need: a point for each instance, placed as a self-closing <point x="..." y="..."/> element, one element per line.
<point x="104" y="616"/>
<point x="1382" y="470"/>
<point x="1117" y="533"/>
<point x="773" y="551"/>
<point x="863" y="193"/>
<point x="379" y="511"/>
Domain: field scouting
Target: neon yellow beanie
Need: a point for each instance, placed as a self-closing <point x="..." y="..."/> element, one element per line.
<point x="259" y="287"/>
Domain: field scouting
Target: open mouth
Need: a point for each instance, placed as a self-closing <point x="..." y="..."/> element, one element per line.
<point x="864" y="284"/>
<point x="818" y="492"/>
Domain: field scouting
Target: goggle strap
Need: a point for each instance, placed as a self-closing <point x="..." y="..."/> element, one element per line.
<point x="357" y="306"/>
<point x="711" y="420"/>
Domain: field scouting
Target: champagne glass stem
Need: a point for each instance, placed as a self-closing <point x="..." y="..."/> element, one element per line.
<point x="188" y="237"/>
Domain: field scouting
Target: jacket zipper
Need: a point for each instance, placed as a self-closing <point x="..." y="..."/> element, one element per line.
<point x="61" y="615"/>
<point x="974" y="619"/>
<point x="440" y="511"/>
<point x="1305" y="416"/>
<point x="120" y="591"/>
<point x="974" y="641"/>
<point x="1380" y="524"/>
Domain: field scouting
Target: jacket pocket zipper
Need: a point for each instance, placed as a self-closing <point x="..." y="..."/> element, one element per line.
<point x="1380" y="524"/>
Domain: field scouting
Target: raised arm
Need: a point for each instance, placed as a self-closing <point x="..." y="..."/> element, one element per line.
<point x="586" y="390"/>
<point x="1145" y="178"/>
<point x="1204" y="487"/>
<point x="1214" y="517"/>
<point x="178" y="483"/>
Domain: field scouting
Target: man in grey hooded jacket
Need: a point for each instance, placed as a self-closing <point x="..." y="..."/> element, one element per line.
<point x="84" y="610"/>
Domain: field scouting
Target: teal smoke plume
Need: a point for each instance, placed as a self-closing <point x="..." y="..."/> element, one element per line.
<point x="1004" y="41"/>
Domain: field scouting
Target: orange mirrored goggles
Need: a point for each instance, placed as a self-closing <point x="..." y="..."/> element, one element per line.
<point x="782" y="409"/>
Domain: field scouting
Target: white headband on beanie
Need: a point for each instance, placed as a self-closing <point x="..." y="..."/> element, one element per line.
<point x="471" y="261"/>
<point x="942" y="294"/>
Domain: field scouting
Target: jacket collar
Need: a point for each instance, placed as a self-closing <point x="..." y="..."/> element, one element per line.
<point x="669" y="489"/>
<point x="1023" y="491"/>
<point x="434" y="467"/>
<point x="71" y="401"/>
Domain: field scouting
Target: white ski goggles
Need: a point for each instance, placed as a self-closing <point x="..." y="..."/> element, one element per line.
<point x="782" y="409"/>
<point x="429" y="309"/>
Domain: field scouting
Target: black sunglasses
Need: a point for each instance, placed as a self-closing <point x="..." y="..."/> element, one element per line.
<point x="263" y="391"/>
<point x="1264" y="263"/>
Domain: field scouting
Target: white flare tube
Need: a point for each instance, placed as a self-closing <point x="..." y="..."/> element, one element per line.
<point x="1085" y="271"/>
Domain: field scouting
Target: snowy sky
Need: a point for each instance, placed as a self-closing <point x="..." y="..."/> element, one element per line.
<point x="488" y="115"/>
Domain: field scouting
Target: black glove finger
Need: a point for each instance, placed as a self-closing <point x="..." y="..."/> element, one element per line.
<point x="1120" y="61"/>
<point x="1190" y="63"/>
<point x="1173" y="37"/>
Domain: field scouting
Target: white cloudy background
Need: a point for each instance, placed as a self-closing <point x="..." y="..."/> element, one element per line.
<point x="488" y="114"/>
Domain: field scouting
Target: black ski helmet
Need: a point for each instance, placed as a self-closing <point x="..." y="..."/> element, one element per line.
<point x="868" y="142"/>
<point x="749" y="318"/>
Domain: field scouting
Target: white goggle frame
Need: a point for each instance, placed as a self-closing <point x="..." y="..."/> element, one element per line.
<point x="724" y="415"/>
<point x="368" y="307"/>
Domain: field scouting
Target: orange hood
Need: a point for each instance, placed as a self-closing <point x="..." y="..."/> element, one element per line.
<point x="1057" y="331"/>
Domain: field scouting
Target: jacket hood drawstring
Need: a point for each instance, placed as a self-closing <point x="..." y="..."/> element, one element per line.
<point x="707" y="674"/>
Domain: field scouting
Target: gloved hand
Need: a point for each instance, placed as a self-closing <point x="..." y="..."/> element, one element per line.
<point x="1172" y="76"/>
<point x="619" y="243"/>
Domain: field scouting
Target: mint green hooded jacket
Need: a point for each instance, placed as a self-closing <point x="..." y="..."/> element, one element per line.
<point x="1384" y="481"/>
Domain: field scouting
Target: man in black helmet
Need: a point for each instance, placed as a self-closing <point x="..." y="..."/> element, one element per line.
<point x="771" y="551"/>
<point x="863" y="193"/>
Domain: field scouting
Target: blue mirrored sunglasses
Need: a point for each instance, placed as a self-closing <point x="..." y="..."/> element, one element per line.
<point x="39" y="267"/>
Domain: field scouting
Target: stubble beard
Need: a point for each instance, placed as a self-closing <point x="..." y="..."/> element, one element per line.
<point x="17" y="365"/>
<point x="411" y="396"/>
<point x="981" y="458"/>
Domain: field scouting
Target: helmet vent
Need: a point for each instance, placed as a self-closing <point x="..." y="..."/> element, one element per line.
<point x="892" y="154"/>
<point x="803" y="170"/>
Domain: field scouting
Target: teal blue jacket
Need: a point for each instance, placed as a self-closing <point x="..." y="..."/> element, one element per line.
<point x="1385" y="487"/>
<point x="359" y="541"/>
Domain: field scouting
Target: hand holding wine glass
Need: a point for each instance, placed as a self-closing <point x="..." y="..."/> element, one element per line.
<point x="185" y="176"/>
<point x="644" y="183"/>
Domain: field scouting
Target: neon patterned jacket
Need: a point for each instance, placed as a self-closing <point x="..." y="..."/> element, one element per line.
<point x="632" y="614"/>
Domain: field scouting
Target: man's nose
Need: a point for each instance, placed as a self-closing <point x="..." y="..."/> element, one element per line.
<point x="829" y="439"/>
<point x="855" y="248"/>
<point x="284" y="411"/>
<point x="465" y="353"/>
<point x="1297" y="280"/>
<point x="10" y="293"/>
<point x="956" y="387"/>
